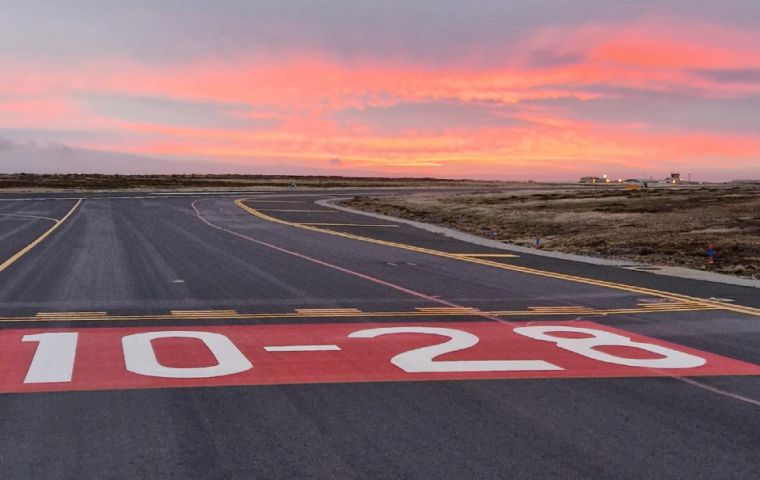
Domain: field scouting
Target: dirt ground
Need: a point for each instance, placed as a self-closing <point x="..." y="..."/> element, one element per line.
<point x="662" y="226"/>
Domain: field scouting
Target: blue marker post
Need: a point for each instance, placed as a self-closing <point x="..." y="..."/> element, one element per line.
<point x="538" y="242"/>
<point x="710" y="253"/>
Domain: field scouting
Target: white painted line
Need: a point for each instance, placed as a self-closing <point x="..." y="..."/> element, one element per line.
<point x="719" y="391"/>
<point x="302" y="348"/>
<point x="718" y="299"/>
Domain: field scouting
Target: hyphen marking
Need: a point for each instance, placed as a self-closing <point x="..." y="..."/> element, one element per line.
<point x="302" y="348"/>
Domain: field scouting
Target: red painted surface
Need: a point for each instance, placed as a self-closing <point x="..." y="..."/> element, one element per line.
<point x="100" y="365"/>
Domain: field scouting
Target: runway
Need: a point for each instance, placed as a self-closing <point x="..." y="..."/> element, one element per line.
<point x="260" y="335"/>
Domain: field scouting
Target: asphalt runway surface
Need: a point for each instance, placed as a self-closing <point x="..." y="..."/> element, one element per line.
<point x="259" y="335"/>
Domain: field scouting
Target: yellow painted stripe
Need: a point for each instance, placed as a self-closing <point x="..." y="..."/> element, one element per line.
<point x="564" y="311"/>
<point x="328" y="310"/>
<point x="486" y="255"/>
<point x="559" y="309"/>
<point x="204" y="312"/>
<point x="347" y="314"/>
<point x="548" y="309"/>
<point x="301" y="211"/>
<point x="39" y="239"/>
<point x="663" y="306"/>
<point x="275" y="201"/>
<point x="346" y="225"/>
<point x="505" y="266"/>
<point x="452" y="309"/>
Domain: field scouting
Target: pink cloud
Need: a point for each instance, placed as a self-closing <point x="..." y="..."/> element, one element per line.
<point x="590" y="63"/>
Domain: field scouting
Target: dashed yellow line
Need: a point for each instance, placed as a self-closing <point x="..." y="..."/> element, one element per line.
<point x="327" y="311"/>
<point x="39" y="239"/>
<point x="337" y="313"/>
<point x="70" y="314"/>
<point x="204" y="313"/>
<point x="458" y="310"/>
<point x="561" y="310"/>
<point x="712" y="304"/>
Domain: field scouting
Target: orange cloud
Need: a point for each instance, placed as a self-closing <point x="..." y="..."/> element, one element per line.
<point x="302" y="92"/>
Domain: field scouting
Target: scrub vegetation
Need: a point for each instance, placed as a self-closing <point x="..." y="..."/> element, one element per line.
<point x="662" y="226"/>
<point x="127" y="182"/>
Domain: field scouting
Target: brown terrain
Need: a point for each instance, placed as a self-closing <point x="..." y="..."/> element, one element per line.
<point x="25" y="181"/>
<point x="663" y="226"/>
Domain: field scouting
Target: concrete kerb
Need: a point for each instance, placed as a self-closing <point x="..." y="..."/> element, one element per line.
<point x="678" y="272"/>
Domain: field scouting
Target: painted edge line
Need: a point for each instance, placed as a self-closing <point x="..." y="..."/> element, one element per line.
<point x="297" y="211"/>
<point x="533" y="271"/>
<point x="39" y="239"/>
<point x="348" y="225"/>
<point x="487" y="255"/>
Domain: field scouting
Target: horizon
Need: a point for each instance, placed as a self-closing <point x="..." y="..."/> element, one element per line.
<point x="492" y="91"/>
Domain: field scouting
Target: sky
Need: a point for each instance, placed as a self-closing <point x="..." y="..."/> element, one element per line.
<point x="513" y="90"/>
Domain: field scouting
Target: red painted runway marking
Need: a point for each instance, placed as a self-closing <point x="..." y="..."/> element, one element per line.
<point x="200" y="356"/>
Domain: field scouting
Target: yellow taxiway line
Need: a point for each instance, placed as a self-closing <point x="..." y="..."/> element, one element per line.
<point x="39" y="239"/>
<point x="275" y="201"/>
<point x="343" y="313"/>
<point x="712" y="304"/>
<point x="486" y="255"/>
<point x="348" y="225"/>
<point x="69" y="315"/>
<point x="299" y="211"/>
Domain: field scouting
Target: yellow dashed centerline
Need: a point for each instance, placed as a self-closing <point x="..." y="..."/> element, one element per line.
<point x="204" y="313"/>
<point x="466" y="310"/>
<point x="346" y="313"/>
<point x="70" y="314"/>
<point x="327" y="311"/>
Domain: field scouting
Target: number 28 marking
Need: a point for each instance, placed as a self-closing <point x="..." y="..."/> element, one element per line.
<point x="423" y="359"/>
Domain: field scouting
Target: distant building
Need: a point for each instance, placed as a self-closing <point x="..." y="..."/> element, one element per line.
<point x="592" y="180"/>
<point x="675" y="177"/>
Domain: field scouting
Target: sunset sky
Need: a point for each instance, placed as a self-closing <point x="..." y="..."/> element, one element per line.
<point x="483" y="89"/>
